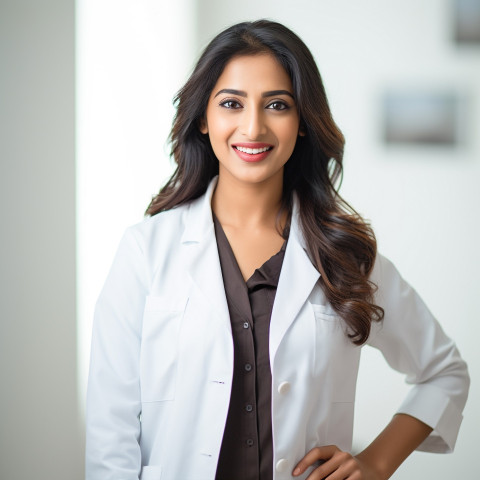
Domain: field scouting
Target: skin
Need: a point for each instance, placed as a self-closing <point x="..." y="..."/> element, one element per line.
<point x="248" y="194"/>
<point x="377" y="462"/>
<point x="247" y="202"/>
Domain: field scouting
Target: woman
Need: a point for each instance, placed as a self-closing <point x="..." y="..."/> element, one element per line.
<point x="227" y="337"/>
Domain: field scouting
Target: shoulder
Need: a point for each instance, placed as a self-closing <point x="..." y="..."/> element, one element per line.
<point x="384" y="270"/>
<point x="404" y="310"/>
<point x="160" y="227"/>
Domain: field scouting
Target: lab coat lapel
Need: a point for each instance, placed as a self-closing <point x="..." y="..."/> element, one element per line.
<point x="297" y="279"/>
<point x="201" y="253"/>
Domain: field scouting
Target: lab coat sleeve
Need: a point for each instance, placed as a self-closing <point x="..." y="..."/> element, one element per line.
<point x="113" y="396"/>
<point x="413" y="342"/>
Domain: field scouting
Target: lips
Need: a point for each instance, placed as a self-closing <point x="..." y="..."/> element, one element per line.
<point x="252" y="152"/>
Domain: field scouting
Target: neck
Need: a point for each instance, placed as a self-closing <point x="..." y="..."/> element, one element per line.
<point x="244" y="205"/>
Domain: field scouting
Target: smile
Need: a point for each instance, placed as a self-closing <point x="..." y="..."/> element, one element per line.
<point x="252" y="151"/>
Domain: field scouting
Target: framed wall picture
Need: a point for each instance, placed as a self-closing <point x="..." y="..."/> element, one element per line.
<point x="466" y="17"/>
<point x="423" y="117"/>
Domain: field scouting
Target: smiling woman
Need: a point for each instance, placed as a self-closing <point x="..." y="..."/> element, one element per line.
<point x="227" y="338"/>
<point x="252" y="120"/>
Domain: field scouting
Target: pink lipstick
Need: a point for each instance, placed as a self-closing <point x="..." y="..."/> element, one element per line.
<point x="252" y="152"/>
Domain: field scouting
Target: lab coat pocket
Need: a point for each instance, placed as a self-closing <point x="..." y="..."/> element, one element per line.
<point x="162" y="319"/>
<point x="329" y="338"/>
<point x="336" y="357"/>
<point x="151" y="473"/>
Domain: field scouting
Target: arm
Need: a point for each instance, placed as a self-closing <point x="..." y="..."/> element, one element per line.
<point x="113" y="396"/>
<point x="412" y="342"/>
<point x="397" y="441"/>
<point x="377" y="462"/>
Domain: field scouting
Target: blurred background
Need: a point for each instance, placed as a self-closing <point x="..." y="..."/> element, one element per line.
<point x="86" y="94"/>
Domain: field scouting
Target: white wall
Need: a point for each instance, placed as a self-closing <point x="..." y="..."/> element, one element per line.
<point x="40" y="430"/>
<point x="422" y="201"/>
<point x="131" y="60"/>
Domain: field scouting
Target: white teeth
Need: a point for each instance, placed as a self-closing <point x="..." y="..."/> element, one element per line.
<point x="252" y="151"/>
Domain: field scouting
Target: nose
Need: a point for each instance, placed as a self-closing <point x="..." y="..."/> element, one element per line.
<point x="253" y="124"/>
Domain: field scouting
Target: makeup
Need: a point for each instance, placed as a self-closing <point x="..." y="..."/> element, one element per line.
<point x="252" y="152"/>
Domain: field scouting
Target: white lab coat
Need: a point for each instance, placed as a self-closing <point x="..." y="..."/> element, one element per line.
<point x="162" y="357"/>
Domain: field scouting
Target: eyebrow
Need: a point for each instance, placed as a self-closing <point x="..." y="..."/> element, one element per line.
<point x="241" y="93"/>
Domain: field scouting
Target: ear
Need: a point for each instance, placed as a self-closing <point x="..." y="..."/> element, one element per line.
<point x="202" y="126"/>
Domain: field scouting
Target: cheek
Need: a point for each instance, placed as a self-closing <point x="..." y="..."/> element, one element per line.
<point x="219" y="128"/>
<point x="287" y="134"/>
<point x="219" y="136"/>
<point x="219" y="141"/>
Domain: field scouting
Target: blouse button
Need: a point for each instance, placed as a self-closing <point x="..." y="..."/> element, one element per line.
<point x="248" y="367"/>
<point x="248" y="408"/>
<point x="246" y="325"/>
<point x="250" y="442"/>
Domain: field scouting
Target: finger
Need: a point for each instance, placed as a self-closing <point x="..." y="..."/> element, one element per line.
<point x="317" y="453"/>
<point x="340" y="467"/>
<point x="328" y="470"/>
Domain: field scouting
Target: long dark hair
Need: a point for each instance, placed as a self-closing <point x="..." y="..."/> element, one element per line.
<point x="340" y="243"/>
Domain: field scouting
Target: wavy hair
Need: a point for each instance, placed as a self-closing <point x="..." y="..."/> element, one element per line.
<point x="340" y="243"/>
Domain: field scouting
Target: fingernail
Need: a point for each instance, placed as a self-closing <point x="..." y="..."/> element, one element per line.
<point x="296" y="471"/>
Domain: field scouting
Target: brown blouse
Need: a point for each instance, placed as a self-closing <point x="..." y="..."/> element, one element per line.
<point x="247" y="450"/>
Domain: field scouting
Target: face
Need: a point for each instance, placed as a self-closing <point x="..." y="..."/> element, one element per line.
<point x="251" y="119"/>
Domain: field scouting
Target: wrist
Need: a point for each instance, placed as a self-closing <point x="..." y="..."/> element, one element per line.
<point x="373" y="468"/>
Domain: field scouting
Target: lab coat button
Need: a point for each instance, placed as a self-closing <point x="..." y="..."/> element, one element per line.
<point x="282" y="465"/>
<point x="284" y="387"/>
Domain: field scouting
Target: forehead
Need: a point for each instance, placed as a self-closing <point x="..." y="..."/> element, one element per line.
<point x="259" y="72"/>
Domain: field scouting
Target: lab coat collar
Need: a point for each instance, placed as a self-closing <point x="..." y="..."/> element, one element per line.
<point x="201" y="255"/>
<point x="297" y="278"/>
<point x="199" y="220"/>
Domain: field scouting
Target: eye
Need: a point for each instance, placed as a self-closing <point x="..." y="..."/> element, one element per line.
<point x="231" y="104"/>
<point x="278" y="105"/>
